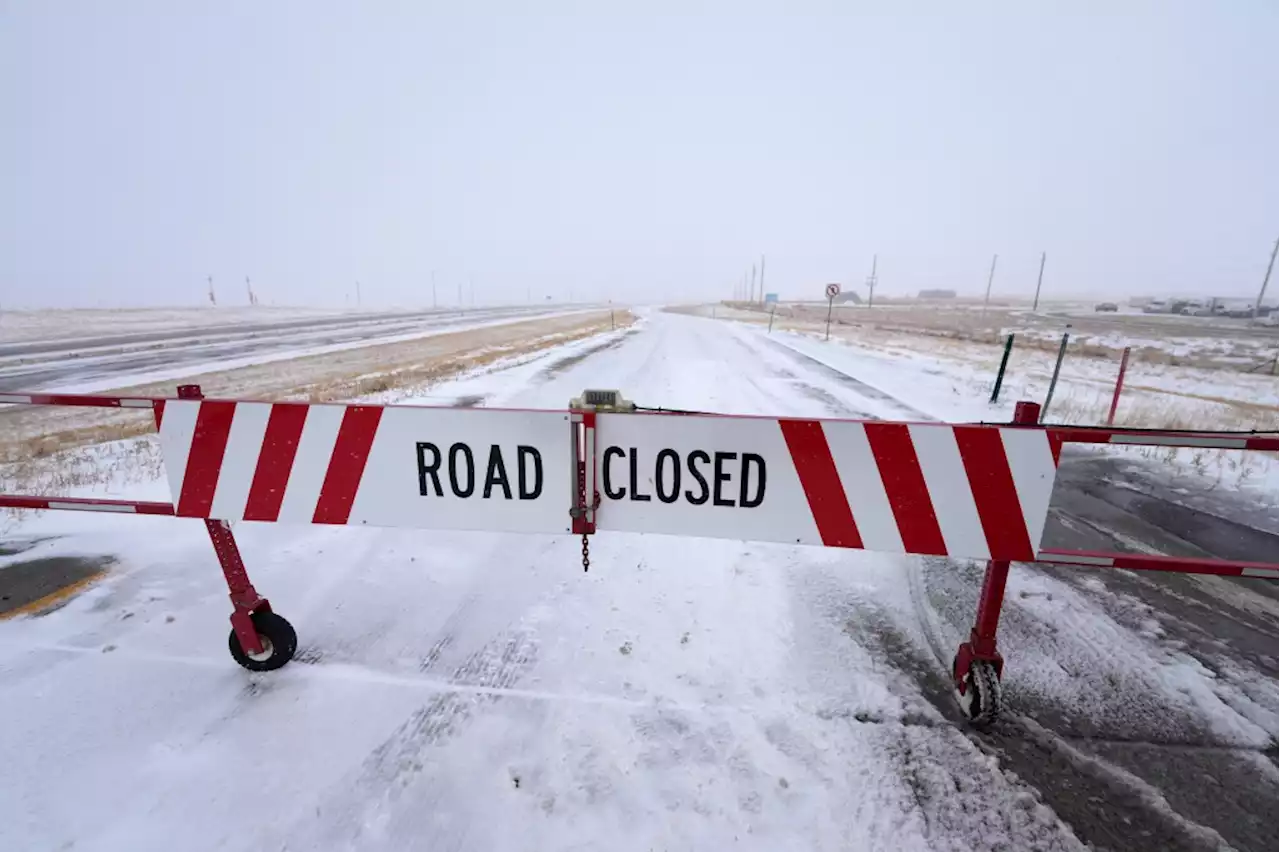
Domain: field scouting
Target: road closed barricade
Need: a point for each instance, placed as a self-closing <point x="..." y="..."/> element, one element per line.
<point x="384" y="466"/>
<point x="859" y="484"/>
<point x="971" y="491"/>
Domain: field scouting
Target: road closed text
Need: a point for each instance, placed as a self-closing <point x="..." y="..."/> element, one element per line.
<point x="483" y="472"/>
<point x="696" y="477"/>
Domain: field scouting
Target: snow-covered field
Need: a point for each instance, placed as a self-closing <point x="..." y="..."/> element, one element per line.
<point x="458" y="691"/>
<point x="195" y="342"/>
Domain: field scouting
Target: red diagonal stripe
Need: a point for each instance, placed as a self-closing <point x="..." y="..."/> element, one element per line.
<point x="204" y="463"/>
<point x="905" y="487"/>
<point x="275" y="461"/>
<point x="821" y="482"/>
<point x="346" y="466"/>
<point x="987" y="467"/>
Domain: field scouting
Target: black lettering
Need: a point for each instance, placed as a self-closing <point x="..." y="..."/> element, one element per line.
<point x="698" y="455"/>
<point x="465" y="452"/>
<point x="497" y="474"/>
<point x="524" y="453"/>
<point x="608" y="480"/>
<point x="432" y="470"/>
<point x="674" y="458"/>
<point x="635" y="479"/>
<point x="722" y="477"/>
<point x="743" y="500"/>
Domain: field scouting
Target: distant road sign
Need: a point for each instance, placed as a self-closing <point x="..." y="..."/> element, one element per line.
<point x="833" y="290"/>
<point x="770" y="298"/>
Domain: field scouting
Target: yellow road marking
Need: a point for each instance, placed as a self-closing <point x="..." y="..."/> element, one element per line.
<point x="55" y="597"/>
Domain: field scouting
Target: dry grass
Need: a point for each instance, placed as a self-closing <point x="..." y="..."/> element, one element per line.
<point x="35" y="441"/>
<point x="1254" y="350"/>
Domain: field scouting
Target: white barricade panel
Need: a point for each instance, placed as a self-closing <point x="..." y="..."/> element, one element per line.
<point x="398" y="466"/>
<point x="963" y="491"/>
<point x="719" y="477"/>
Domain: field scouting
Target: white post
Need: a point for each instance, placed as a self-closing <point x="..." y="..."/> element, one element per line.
<point x="990" y="277"/>
<point x="1257" y="306"/>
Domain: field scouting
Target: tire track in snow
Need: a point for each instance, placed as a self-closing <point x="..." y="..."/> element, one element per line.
<point x="1020" y="742"/>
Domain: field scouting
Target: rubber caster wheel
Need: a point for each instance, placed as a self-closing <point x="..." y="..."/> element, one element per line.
<point x="981" y="700"/>
<point x="279" y="641"/>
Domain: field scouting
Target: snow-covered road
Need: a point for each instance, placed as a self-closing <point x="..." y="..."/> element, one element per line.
<point x="458" y="691"/>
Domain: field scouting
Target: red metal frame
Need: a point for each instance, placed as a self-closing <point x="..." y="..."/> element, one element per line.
<point x="1142" y="562"/>
<point x="981" y="645"/>
<point x="584" y="449"/>
<point x="85" y="504"/>
<point x="245" y="600"/>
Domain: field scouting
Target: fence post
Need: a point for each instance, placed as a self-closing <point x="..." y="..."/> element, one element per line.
<point x="1115" y="400"/>
<point x="1057" y="368"/>
<point x="1004" y="362"/>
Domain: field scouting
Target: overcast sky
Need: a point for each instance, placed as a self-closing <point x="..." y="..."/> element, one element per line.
<point x="641" y="151"/>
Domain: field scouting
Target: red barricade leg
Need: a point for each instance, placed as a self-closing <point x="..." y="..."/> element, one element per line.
<point x="260" y="640"/>
<point x="978" y="666"/>
<point x="245" y="599"/>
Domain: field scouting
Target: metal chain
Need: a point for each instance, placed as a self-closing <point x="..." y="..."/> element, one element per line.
<point x="582" y="503"/>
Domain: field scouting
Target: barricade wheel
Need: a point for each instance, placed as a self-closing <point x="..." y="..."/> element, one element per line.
<point x="279" y="641"/>
<point x="981" y="700"/>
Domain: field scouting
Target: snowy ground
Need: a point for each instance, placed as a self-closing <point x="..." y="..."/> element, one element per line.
<point x="64" y="326"/>
<point x="197" y="342"/>
<point x="470" y="692"/>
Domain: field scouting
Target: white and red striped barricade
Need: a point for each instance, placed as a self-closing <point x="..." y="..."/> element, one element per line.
<point x="963" y="491"/>
<point x="978" y="492"/>
<point x="384" y="466"/>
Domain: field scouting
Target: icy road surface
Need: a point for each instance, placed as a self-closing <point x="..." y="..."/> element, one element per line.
<point x="474" y="692"/>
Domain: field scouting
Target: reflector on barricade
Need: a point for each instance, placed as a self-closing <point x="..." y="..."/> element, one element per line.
<point x="969" y="491"/>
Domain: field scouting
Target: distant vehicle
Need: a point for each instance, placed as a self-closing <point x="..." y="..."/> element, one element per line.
<point x="1106" y="307"/>
<point x="1156" y="306"/>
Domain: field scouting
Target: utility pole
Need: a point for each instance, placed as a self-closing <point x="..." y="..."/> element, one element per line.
<point x="434" y="303"/>
<point x="357" y="294"/>
<point x="762" y="280"/>
<point x="213" y="299"/>
<point x="1257" y="306"/>
<point x="991" y="277"/>
<point x="253" y="300"/>
<point x="1035" y="305"/>
<point x="871" y="282"/>
<point x="753" y="282"/>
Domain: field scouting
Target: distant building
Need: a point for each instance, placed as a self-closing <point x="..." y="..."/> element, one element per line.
<point x="937" y="294"/>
